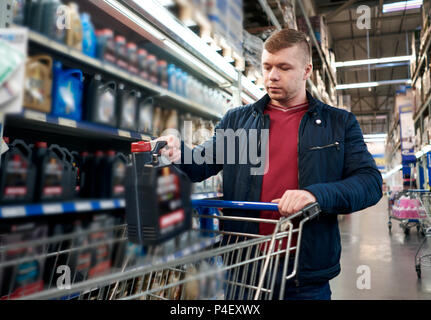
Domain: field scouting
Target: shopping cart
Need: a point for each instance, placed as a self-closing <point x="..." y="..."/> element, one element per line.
<point x="411" y="208"/>
<point x="228" y="265"/>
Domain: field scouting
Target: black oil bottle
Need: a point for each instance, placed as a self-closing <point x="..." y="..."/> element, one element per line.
<point x="51" y="181"/>
<point x="158" y="205"/>
<point x="17" y="174"/>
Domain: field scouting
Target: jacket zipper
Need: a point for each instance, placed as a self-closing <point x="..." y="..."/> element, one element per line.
<point x="299" y="184"/>
<point x="336" y="144"/>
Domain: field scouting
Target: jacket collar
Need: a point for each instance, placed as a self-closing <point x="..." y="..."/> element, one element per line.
<point x="314" y="105"/>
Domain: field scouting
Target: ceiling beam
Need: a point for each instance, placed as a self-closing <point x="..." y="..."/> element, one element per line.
<point x="410" y="16"/>
<point x="335" y="13"/>
<point x="376" y="37"/>
<point x="268" y="10"/>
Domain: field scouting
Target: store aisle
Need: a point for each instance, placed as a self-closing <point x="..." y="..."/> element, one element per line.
<point x="390" y="257"/>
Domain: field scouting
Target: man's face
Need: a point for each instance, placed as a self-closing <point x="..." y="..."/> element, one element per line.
<point x="285" y="72"/>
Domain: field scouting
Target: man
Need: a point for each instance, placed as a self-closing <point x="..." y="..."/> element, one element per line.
<point x="316" y="153"/>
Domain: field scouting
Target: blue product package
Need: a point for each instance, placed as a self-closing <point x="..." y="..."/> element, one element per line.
<point x="184" y="77"/>
<point x="210" y="225"/>
<point x="172" y="84"/>
<point x="67" y="92"/>
<point x="179" y="82"/>
<point x="89" y="40"/>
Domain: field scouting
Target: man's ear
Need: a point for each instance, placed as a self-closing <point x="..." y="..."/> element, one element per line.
<point x="308" y="71"/>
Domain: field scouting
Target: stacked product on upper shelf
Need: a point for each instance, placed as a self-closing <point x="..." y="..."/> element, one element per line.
<point x="220" y="23"/>
<point x="111" y="48"/>
<point x="420" y="67"/>
<point x="326" y="89"/>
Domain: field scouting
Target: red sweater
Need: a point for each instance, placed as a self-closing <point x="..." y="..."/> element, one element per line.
<point x="282" y="164"/>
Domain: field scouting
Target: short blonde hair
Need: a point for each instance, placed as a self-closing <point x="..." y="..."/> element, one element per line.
<point x="287" y="38"/>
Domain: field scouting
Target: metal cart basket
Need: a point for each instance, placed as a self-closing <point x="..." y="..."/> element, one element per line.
<point x="411" y="208"/>
<point x="199" y="264"/>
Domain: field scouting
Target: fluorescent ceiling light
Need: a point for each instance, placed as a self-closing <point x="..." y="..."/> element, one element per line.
<point x="166" y="3"/>
<point x="247" y="98"/>
<point x="402" y="5"/>
<point x="372" y="84"/>
<point x="419" y="154"/>
<point x="426" y="149"/>
<point x="356" y="85"/>
<point x="373" y="61"/>
<point x="376" y="135"/>
<point x="394" y="170"/>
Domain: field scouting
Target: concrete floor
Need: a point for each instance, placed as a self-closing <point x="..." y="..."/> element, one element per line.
<point x="366" y="241"/>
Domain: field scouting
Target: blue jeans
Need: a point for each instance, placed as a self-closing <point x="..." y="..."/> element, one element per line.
<point x="309" y="291"/>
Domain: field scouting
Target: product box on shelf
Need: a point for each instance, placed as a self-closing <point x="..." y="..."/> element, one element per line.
<point x="418" y="144"/>
<point x="426" y="82"/>
<point x="417" y="92"/>
<point x="425" y="138"/>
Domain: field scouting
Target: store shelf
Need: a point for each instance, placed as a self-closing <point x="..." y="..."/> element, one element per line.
<point x="31" y="210"/>
<point x="200" y="196"/>
<point x="86" y="62"/>
<point x="423" y="107"/>
<point x="422" y="54"/>
<point x="51" y="124"/>
<point x="317" y="45"/>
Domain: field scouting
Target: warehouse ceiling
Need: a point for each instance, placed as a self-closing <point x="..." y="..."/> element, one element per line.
<point x="390" y="35"/>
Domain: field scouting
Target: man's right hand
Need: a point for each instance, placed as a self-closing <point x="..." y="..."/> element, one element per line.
<point x="173" y="149"/>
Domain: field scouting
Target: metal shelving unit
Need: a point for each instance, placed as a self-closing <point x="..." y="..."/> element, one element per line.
<point x="102" y="67"/>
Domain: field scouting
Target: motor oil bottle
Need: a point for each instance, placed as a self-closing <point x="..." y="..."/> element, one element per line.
<point x="158" y="194"/>
<point x="77" y="164"/>
<point x="34" y="14"/>
<point x="113" y="175"/>
<point x="89" y="40"/>
<point x="93" y="175"/>
<point x="106" y="46"/>
<point x="50" y="17"/>
<point x="38" y="83"/>
<point x="51" y="173"/>
<point x="102" y="101"/>
<point x="74" y="33"/>
<point x="17" y="174"/>
<point x="127" y="101"/>
<point x="71" y="175"/>
<point x="85" y="172"/>
<point x="67" y="91"/>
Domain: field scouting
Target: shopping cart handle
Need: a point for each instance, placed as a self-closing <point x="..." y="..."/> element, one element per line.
<point x="242" y="205"/>
<point x="310" y="211"/>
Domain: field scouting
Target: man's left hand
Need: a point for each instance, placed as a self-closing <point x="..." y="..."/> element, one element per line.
<point x="293" y="201"/>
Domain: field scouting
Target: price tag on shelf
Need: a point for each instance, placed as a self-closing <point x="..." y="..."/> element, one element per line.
<point x="125" y="134"/>
<point x="144" y="137"/>
<point x="107" y="204"/>
<point x="83" y="206"/>
<point x="52" y="208"/>
<point x="13" y="212"/>
<point x="67" y="122"/>
<point x="34" y="115"/>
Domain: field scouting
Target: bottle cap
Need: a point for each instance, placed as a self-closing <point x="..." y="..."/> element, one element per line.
<point x="141" y="146"/>
<point x="41" y="145"/>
